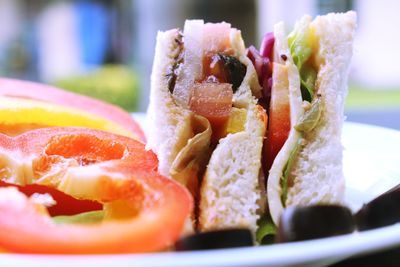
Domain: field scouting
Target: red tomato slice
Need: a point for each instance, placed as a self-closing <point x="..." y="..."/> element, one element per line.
<point x="279" y="116"/>
<point x="93" y="165"/>
<point x="36" y="91"/>
<point x="213" y="101"/>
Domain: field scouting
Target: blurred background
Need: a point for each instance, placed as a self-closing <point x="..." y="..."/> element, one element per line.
<point x="105" y="48"/>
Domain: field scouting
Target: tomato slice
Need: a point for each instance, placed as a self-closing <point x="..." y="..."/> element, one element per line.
<point x="36" y="91"/>
<point x="279" y="116"/>
<point x="212" y="100"/>
<point x="145" y="211"/>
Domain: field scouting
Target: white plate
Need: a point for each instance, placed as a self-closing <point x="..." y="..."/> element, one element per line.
<point x="371" y="166"/>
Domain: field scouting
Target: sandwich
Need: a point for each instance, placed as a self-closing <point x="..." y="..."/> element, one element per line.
<point x="251" y="132"/>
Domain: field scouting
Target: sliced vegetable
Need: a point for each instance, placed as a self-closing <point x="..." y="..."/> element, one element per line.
<point x="19" y="115"/>
<point x="267" y="45"/>
<point x="285" y="182"/>
<point x="279" y="116"/>
<point x="266" y="230"/>
<point x="236" y="70"/>
<point x="263" y="66"/>
<point x="237" y="120"/>
<point x="88" y="164"/>
<point x="35" y="91"/>
<point x="213" y="101"/>
<point x="308" y="76"/>
<point x="64" y="204"/>
<point x="225" y="68"/>
<point x="310" y="118"/>
<point x="301" y="45"/>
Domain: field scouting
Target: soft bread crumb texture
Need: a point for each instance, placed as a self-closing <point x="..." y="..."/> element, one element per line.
<point x="230" y="190"/>
<point x="318" y="172"/>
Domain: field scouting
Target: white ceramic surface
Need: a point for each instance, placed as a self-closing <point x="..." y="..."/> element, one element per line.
<point x="371" y="166"/>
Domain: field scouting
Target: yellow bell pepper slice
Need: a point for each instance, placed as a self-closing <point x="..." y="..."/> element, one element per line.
<point x="236" y="121"/>
<point x="20" y="115"/>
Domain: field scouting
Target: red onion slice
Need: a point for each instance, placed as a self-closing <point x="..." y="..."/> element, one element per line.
<point x="267" y="45"/>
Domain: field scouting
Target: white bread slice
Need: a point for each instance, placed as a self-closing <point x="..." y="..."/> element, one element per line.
<point x="318" y="172"/>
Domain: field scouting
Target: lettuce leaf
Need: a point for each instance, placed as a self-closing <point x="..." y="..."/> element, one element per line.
<point x="299" y="47"/>
<point x="266" y="230"/>
<point x="308" y="76"/>
<point x="301" y="50"/>
<point x="287" y="169"/>
<point x="310" y="118"/>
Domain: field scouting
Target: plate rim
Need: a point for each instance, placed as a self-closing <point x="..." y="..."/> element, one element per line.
<point x="335" y="248"/>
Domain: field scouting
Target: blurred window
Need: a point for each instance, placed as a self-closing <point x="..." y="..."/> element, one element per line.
<point x="326" y="6"/>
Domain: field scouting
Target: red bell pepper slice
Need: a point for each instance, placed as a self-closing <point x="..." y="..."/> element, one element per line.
<point x="36" y="91"/>
<point x="65" y="204"/>
<point x="146" y="211"/>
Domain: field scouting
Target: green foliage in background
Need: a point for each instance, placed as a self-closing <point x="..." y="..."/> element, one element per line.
<point x="116" y="84"/>
<point x="372" y="98"/>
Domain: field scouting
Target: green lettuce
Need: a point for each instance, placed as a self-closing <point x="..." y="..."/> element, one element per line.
<point x="266" y="230"/>
<point x="286" y="170"/>
<point x="310" y="118"/>
<point x="301" y="50"/>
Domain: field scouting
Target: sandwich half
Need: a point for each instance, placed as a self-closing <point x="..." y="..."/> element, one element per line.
<point x="308" y="168"/>
<point x="204" y="122"/>
<point x="250" y="133"/>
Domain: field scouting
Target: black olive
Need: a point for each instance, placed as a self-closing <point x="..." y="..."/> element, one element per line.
<point x="381" y="211"/>
<point x="228" y="238"/>
<point x="305" y="223"/>
<point x="235" y="69"/>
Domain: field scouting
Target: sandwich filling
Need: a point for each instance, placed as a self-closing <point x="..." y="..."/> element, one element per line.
<point x="208" y="91"/>
<point x="293" y="107"/>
